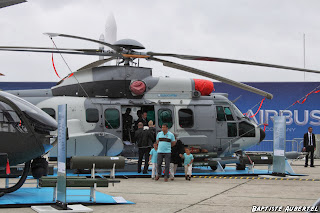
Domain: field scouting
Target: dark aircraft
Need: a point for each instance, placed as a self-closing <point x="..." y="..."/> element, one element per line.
<point x="25" y="136"/>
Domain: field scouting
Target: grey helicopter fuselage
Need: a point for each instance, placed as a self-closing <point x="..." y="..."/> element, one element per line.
<point x="97" y="98"/>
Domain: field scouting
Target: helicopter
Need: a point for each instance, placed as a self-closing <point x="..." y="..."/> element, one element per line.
<point x="97" y="97"/>
<point x="26" y="133"/>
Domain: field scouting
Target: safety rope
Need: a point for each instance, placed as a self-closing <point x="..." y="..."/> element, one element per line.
<point x="71" y="74"/>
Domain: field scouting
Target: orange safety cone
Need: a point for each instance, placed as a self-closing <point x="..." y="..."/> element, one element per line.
<point x="8" y="167"/>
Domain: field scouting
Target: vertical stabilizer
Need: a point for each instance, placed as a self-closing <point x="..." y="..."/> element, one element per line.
<point x="101" y="47"/>
<point x="110" y="31"/>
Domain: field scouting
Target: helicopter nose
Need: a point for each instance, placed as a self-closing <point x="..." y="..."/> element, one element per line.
<point x="262" y="135"/>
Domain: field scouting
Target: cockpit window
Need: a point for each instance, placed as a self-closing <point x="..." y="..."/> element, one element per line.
<point x="246" y="129"/>
<point x="9" y="120"/>
<point x="50" y="112"/>
<point x="232" y="130"/>
<point x="228" y="113"/>
<point x="220" y="113"/>
<point x="224" y="114"/>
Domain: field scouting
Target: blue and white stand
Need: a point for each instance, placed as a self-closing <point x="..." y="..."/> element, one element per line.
<point x="61" y="203"/>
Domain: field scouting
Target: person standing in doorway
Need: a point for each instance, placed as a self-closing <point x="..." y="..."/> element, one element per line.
<point x="309" y="146"/>
<point x="165" y="140"/>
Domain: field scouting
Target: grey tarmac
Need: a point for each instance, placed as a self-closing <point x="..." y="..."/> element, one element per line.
<point x="209" y="194"/>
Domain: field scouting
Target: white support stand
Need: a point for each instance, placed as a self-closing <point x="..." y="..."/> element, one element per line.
<point x="73" y="208"/>
<point x="269" y="168"/>
<point x="219" y="168"/>
<point x="288" y="168"/>
<point x="93" y="189"/>
<point x="251" y="168"/>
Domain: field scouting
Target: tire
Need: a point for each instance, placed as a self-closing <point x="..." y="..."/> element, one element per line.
<point x="214" y="168"/>
<point x="39" y="167"/>
<point x="241" y="166"/>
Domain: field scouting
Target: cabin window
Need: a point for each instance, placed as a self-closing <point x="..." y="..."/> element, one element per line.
<point x="92" y="115"/>
<point x="185" y="118"/>
<point x="165" y="117"/>
<point x="232" y="130"/>
<point x="246" y="130"/>
<point x="10" y="121"/>
<point x="112" y="118"/>
<point x="50" y="112"/>
<point x="220" y="114"/>
<point x="228" y="114"/>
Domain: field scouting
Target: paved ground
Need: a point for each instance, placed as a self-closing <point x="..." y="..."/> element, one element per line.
<point x="211" y="194"/>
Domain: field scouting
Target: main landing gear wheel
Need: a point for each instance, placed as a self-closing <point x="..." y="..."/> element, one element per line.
<point x="21" y="181"/>
<point x="241" y="166"/>
<point x="214" y="168"/>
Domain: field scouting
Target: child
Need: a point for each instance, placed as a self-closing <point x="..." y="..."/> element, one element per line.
<point x="188" y="160"/>
<point x="153" y="160"/>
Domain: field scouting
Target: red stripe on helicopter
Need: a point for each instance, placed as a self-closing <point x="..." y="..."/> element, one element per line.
<point x="54" y="66"/>
<point x="261" y="102"/>
<point x="304" y="100"/>
<point x="258" y="108"/>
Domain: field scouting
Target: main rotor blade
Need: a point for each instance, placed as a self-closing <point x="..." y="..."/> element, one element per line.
<point x="213" y="76"/>
<point x="85" y="39"/>
<point x="54" y="50"/>
<point x="96" y="63"/>
<point x="232" y="61"/>
<point x="50" y="48"/>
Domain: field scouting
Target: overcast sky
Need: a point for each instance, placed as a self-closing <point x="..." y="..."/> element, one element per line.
<point x="268" y="31"/>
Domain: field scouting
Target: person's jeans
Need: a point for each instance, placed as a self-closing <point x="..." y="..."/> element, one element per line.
<point x="167" y="158"/>
<point x="143" y="152"/>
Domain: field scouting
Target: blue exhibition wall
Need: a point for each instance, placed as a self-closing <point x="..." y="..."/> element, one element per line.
<point x="299" y="116"/>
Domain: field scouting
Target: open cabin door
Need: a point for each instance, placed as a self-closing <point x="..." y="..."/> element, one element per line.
<point x="112" y="124"/>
